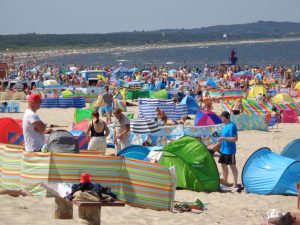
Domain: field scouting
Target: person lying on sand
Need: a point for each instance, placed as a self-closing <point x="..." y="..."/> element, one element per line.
<point x="14" y="193"/>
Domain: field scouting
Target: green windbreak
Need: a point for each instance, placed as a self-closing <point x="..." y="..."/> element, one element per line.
<point x="195" y="167"/>
<point x="162" y="94"/>
<point x="82" y="114"/>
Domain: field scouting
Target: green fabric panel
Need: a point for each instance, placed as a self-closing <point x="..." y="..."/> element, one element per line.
<point x="162" y="94"/>
<point x="138" y="94"/>
<point x="195" y="167"/>
<point x="82" y="114"/>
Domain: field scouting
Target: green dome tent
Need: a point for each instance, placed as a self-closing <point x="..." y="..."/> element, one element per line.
<point x="195" y="167"/>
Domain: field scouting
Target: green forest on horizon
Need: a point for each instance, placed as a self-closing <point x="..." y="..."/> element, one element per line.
<point x="258" y="30"/>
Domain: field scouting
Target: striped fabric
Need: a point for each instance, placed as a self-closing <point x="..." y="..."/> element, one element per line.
<point x="147" y="108"/>
<point x="146" y="185"/>
<point x="262" y="108"/>
<point x="77" y="102"/>
<point x="11" y="161"/>
<point x="143" y="126"/>
<point x="139" y="183"/>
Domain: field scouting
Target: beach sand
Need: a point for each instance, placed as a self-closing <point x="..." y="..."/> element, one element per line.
<point x="223" y="208"/>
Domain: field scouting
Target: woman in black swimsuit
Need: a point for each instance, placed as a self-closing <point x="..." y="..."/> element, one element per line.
<point x="97" y="131"/>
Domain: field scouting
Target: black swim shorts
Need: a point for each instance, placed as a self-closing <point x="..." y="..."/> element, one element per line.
<point x="227" y="159"/>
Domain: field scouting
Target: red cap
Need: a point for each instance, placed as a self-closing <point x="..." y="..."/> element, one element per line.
<point x="34" y="98"/>
<point x="85" y="177"/>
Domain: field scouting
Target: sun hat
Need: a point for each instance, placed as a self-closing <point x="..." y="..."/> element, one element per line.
<point x="34" y="98"/>
<point x="85" y="177"/>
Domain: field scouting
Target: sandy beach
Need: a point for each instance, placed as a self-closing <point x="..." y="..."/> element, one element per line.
<point x="223" y="208"/>
<point x="28" y="56"/>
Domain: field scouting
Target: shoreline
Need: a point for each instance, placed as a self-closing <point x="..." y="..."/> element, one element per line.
<point x="29" y="56"/>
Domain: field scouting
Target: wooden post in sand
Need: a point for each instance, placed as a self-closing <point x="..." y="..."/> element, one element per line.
<point x="63" y="209"/>
<point x="90" y="214"/>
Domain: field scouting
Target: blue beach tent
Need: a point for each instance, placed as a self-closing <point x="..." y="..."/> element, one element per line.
<point x="191" y="103"/>
<point x="266" y="172"/>
<point x="211" y="83"/>
<point x="292" y="150"/>
<point x="134" y="152"/>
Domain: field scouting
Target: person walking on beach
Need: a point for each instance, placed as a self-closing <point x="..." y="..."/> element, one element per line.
<point x="108" y="101"/>
<point x="121" y="130"/>
<point x="228" y="148"/>
<point x="34" y="129"/>
<point x="97" y="130"/>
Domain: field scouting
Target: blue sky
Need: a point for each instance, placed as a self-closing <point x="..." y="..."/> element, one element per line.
<point x="96" y="16"/>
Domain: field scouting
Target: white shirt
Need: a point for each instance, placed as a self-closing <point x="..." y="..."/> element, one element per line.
<point x="33" y="139"/>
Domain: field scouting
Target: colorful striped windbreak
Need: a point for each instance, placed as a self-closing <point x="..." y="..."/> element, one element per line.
<point x="139" y="183"/>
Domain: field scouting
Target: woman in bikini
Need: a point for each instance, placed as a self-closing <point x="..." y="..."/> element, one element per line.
<point x="97" y="131"/>
<point x="237" y="107"/>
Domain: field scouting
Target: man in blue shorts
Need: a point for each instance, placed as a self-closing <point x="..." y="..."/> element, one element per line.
<point x="228" y="148"/>
<point x="108" y="99"/>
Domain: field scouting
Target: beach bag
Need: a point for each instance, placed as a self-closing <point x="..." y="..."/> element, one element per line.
<point x="62" y="141"/>
<point x="87" y="196"/>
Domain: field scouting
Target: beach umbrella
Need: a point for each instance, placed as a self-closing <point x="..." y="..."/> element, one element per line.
<point x="143" y="126"/>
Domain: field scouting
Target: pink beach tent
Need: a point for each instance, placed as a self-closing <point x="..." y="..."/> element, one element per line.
<point x="81" y="125"/>
<point x="206" y="118"/>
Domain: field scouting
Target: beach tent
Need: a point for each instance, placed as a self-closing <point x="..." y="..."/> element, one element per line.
<point x="206" y="118"/>
<point x="282" y="97"/>
<point x="82" y="114"/>
<point x="135" y="152"/>
<point x="66" y="93"/>
<point x="62" y="141"/>
<point x="211" y="83"/>
<point x="160" y="85"/>
<point x="123" y="71"/>
<point x="242" y="75"/>
<point x="292" y="150"/>
<point x="195" y="167"/>
<point x="15" y="84"/>
<point x="191" y="103"/>
<point x="8" y="125"/>
<point x="50" y="83"/>
<point x="118" y="83"/>
<point x="266" y="172"/>
<point x="297" y="86"/>
<point x="81" y="125"/>
<point x="162" y="94"/>
<point x="256" y="90"/>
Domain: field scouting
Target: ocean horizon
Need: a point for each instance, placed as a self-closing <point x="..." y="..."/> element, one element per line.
<point x="260" y="54"/>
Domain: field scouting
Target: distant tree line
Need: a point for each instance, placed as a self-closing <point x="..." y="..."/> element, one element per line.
<point x="256" y="30"/>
